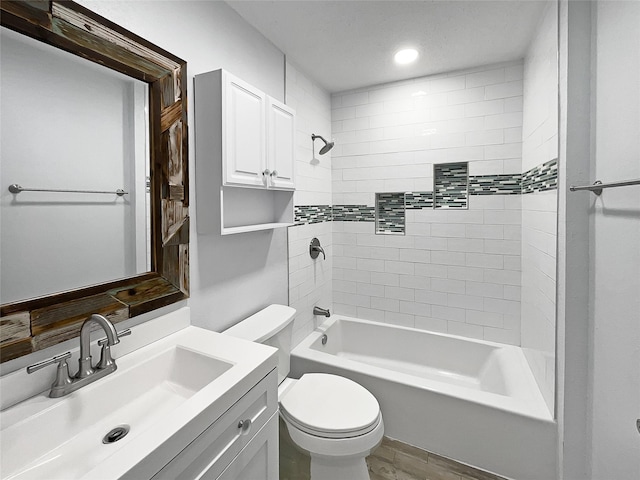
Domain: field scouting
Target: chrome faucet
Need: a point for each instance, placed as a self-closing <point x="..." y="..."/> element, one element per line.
<point x="87" y="373"/>
<point x="84" y="363"/>
<point x="321" y="311"/>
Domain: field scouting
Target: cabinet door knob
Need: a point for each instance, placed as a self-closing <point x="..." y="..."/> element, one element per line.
<point x="274" y="173"/>
<point x="244" y="425"/>
<point x="266" y="172"/>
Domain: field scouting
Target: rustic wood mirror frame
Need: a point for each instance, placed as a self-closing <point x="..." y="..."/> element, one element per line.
<point x="31" y="325"/>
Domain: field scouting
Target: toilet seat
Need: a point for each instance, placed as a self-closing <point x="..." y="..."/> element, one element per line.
<point x="330" y="406"/>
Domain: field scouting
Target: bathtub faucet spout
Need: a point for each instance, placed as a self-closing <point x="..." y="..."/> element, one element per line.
<point x="321" y="311"/>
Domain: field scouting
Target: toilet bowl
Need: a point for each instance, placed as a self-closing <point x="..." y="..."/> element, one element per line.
<point x="333" y="419"/>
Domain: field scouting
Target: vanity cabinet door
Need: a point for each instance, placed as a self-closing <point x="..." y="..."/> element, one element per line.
<point x="281" y="132"/>
<point x="211" y="452"/>
<point x="244" y="133"/>
<point x="259" y="459"/>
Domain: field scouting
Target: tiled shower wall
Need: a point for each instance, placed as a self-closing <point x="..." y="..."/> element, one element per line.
<point x="455" y="270"/>
<point x="310" y="281"/>
<point x="539" y="209"/>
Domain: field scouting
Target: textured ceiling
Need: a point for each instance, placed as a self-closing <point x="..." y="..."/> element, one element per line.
<point x="350" y="44"/>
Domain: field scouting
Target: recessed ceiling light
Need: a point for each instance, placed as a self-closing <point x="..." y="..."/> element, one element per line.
<point x="405" y="56"/>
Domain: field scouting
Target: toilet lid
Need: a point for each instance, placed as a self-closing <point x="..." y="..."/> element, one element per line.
<point x="330" y="406"/>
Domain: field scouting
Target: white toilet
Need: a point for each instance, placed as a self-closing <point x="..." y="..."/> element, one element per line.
<point x="333" y="418"/>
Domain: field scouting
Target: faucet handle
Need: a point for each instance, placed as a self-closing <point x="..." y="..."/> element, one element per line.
<point x="123" y="333"/>
<point x="62" y="373"/>
<point x="59" y="359"/>
<point x="106" y="360"/>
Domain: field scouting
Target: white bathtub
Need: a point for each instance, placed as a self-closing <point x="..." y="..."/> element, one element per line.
<point x="473" y="401"/>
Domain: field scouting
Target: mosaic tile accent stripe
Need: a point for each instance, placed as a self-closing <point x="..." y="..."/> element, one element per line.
<point x="541" y="178"/>
<point x="353" y="213"/>
<point x="450" y="185"/>
<point x="418" y="200"/>
<point x="390" y="210"/>
<point x="305" y="214"/>
<point x="495" y="184"/>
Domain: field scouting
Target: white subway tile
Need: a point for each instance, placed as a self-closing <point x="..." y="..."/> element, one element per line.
<point x="465" y="245"/>
<point x="351" y="299"/>
<point x="504" y="247"/>
<point x="507" y="307"/>
<point x="430" y="270"/>
<point x="399" y="293"/>
<point x="431" y="324"/>
<point x="414" y="255"/>
<point x="448" y="230"/>
<point x="343" y="113"/>
<point x="344" y="286"/>
<point x="485" y="231"/>
<point x="404" y="268"/>
<point x="503" y="90"/>
<point x="430" y="243"/>
<point x="352" y="99"/>
<point x="510" y="337"/>
<point x="465" y="273"/>
<point x="401" y="319"/>
<point x="487" y="319"/>
<point x="483" y="289"/>
<point x="448" y="258"/>
<point x="370" y="314"/>
<point x="414" y="281"/>
<point x="447" y="84"/>
<point x="468" y="302"/>
<point x="513" y="104"/>
<point x="514" y="72"/>
<point x="487" y="77"/>
<point x="448" y="286"/>
<point x="448" y="313"/>
<point x="356" y="275"/>
<point x="390" y="279"/>
<point x="344" y="309"/>
<point x="484" y="260"/>
<point x="505" y="151"/>
<point x="370" y="290"/>
<point x="504" y="120"/>
<point x="504" y="277"/>
<point x="372" y="265"/>
<point x="480" y="109"/>
<point x="413" y="308"/>
<point x="512" y="292"/>
<point x="484" y="137"/>
<point x="469" y="95"/>
<point x="386" y="304"/>
<point x="431" y="298"/>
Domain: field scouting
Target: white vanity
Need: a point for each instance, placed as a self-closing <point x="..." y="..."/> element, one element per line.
<point x="198" y="405"/>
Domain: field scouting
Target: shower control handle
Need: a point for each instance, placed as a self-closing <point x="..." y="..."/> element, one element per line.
<point x="315" y="249"/>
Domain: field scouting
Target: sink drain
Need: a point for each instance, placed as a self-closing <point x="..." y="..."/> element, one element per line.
<point x="116" y="434"/>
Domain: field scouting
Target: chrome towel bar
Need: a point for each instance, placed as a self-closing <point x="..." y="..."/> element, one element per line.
<point x="15" y="188"/>
<point x="598" y="185"/>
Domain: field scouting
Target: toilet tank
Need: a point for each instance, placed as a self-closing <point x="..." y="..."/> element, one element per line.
<point x="272" y="326"/>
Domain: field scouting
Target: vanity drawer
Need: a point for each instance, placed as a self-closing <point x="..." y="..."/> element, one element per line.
<point x="213" y="450"/>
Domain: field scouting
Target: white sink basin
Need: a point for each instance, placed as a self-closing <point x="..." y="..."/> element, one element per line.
<point x="157" y="391"/>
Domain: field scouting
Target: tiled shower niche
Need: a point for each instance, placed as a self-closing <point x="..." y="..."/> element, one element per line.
<point x="451" y="185"/>
<point x="390" y="217"/>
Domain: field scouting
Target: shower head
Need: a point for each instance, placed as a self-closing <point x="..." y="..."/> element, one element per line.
<point x="327" y="145"/>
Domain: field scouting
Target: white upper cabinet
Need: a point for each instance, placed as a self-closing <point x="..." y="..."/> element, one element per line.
<point x="280" y="145"/>
<point x="258" y="134"/>
<point x="243" y="133"/>
<point x="245" y="144"/>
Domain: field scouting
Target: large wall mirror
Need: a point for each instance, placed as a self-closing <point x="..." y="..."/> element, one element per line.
<point x="94" y="199"/>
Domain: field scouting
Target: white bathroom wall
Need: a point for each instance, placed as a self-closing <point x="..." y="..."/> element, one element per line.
<point x="53" y="139"/>
<point x="539" y="209"/>
<point x="233" y="276"/>
<point x="456" y="271"/>
<point x="310" y="281"/>
<point x="614" y="260"/>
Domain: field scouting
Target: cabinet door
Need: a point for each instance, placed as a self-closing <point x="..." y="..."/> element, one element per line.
<point x="243" y="133"/>
<point x="281" y="132"/>
<point x="259" y="459"/>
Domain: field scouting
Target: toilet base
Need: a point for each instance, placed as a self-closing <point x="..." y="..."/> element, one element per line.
<point x="332" y="468"/>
